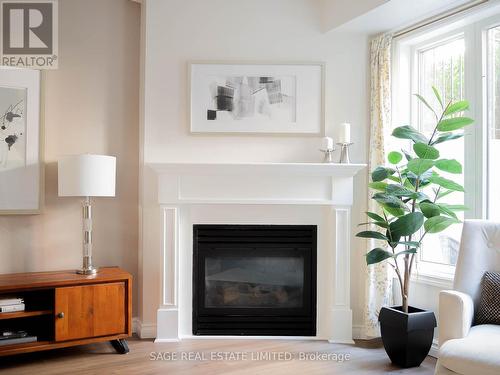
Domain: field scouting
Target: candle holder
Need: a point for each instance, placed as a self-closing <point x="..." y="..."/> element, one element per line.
<point x="344" y="152"/>
<point x="328" y="157"/>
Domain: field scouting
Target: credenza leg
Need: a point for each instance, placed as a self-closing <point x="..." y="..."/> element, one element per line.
<point x="120" y="346"/>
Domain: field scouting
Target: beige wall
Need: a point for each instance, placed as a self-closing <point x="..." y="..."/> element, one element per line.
<point x="91" y="105"/>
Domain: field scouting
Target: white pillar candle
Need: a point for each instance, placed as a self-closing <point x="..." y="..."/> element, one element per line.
<point x="327" y="143"/>
<point x="345" y="133"/>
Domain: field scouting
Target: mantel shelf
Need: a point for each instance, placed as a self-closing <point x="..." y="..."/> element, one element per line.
<point x="291" y="169"/>
<point x="256" y="183"/>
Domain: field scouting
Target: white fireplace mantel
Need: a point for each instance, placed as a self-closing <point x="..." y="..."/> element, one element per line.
<point x="182" y="186"/>
<point x="255" y="183"/>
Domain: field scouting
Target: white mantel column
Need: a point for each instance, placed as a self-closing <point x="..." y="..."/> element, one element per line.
<point x="168" y="313"/>
<point x="341" y="313"/>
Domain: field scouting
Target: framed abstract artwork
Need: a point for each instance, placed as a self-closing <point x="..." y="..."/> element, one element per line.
<point x="272" y="98"/>
<point x="20" y="147"/>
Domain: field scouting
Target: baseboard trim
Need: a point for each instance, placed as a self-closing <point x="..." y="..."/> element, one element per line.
<point x="148" y="331"/>
<point x="135" y="324"/>
<point x="143" y="330"/>
<point x="358" y="332"/>
<point x="159" y="341"/>
<point x="434" y="349"/>
<point x="343" y="342"/>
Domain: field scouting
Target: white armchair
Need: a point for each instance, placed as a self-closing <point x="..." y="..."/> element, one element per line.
<point x="466" y="349"/>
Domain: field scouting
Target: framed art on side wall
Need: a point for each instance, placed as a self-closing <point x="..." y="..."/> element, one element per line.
<point x="20" y="147"/>
<point x="272" y="98"/>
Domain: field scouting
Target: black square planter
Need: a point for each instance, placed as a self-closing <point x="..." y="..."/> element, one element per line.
<point x="407" y="337"/>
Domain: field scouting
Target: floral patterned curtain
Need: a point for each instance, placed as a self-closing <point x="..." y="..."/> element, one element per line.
<point x="378" y="278"/>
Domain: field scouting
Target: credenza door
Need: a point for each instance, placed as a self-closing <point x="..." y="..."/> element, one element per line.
<point x="90" y="311"/>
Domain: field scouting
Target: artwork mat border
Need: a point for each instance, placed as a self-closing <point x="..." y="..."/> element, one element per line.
<point x="41" y="150"/>
<point x="321" y="64"/>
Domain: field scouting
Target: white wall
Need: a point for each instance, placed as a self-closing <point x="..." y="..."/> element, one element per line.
<point x="278" y="30"/>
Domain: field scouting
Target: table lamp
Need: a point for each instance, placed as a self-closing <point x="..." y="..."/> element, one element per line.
<point x="87" y="176"/>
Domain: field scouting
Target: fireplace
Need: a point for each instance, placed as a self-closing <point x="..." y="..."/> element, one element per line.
<point x="254" y="280"/>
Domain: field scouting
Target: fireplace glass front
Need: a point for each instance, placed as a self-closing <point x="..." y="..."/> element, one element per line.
<point x="254" y="280"/>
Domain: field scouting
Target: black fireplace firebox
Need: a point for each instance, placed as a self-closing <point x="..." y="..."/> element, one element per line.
<point x="254" y="280"/>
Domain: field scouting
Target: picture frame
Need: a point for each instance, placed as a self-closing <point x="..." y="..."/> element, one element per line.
<point x="21" y="165"/>
<point x="280" y="98"/>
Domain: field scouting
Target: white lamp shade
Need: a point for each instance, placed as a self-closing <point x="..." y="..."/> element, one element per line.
<point x="87" y="176"/>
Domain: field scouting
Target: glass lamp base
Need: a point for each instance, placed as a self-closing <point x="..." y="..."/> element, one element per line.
<point x="87" y="271"/>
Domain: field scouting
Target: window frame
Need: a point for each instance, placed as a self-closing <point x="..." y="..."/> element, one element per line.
<point x="425" y="267"/>
<point x="482" y="28"/>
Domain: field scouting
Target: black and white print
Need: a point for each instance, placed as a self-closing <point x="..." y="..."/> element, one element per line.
<point x="252" y="97"/>
<point x="12" y="128"/>
<point x="256" y="98"/>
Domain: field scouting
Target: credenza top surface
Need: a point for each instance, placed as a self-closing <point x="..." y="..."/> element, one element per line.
<point x="13" y="281"/>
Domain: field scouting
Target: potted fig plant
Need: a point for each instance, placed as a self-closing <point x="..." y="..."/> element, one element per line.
<point x="409" y="191"/>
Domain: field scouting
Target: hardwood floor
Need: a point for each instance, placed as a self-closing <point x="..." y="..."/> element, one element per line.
<point x="364" y="358"/>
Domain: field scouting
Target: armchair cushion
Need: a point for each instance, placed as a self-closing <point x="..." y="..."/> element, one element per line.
<point x="488" y="311"/>
<point x="456" y="311"/>
<point x="475" y="354"/>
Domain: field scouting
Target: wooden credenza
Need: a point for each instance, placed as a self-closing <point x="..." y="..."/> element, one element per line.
<point x="66" y="309"/>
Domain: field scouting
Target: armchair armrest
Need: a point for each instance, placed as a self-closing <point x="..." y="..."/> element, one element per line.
<point x="456" y="312"/>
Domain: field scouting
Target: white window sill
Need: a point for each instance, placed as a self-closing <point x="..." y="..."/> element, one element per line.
<point x="438" y="281"/>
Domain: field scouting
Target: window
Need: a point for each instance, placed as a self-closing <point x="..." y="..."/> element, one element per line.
<point x="462" y="59"/>
<point x="493" y="113"/>
<point x="442" y="65"/>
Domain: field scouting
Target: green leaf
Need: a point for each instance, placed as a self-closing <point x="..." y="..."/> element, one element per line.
<point x="437" y="224"/>
<point x="394" y="157"/>
<point x="447" y="137"/>
<point x="404" y="252"/>
<point x="449" y="165"/>
<point x="393" y="178"/>
<point x="419" y="166"/>
<point x="400" y="191"/>
<point x="445" y="210"/>
<point x="379" y="185"/>
<point x="453" y="123"/>
<point x="455" y="207"/>
<point x="407" y="155"/>
<point x="429" y="209"/>
<point x="410" y="243"/>
<point x="445" y="183"/>
<point x="460" y="106"/>
<point x="393" y="238"/>
<point x="372" y="234"/>
<point x="377" y="255"/>
<point x="424" y="151"/>
<point x="374" y="216"/>
<point x="407" y="184"/>
<point x="422" y="99"/>
<point x="421" y="196"/>
<point x="408" y="132"/>
<point x="381" y="224"/>
<point x="381" y="173"/>
<point x="394" y="211"/>
<point x="438" y="97"/>
<point x="407" y="225"/>
<point x="388" y="200"/>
